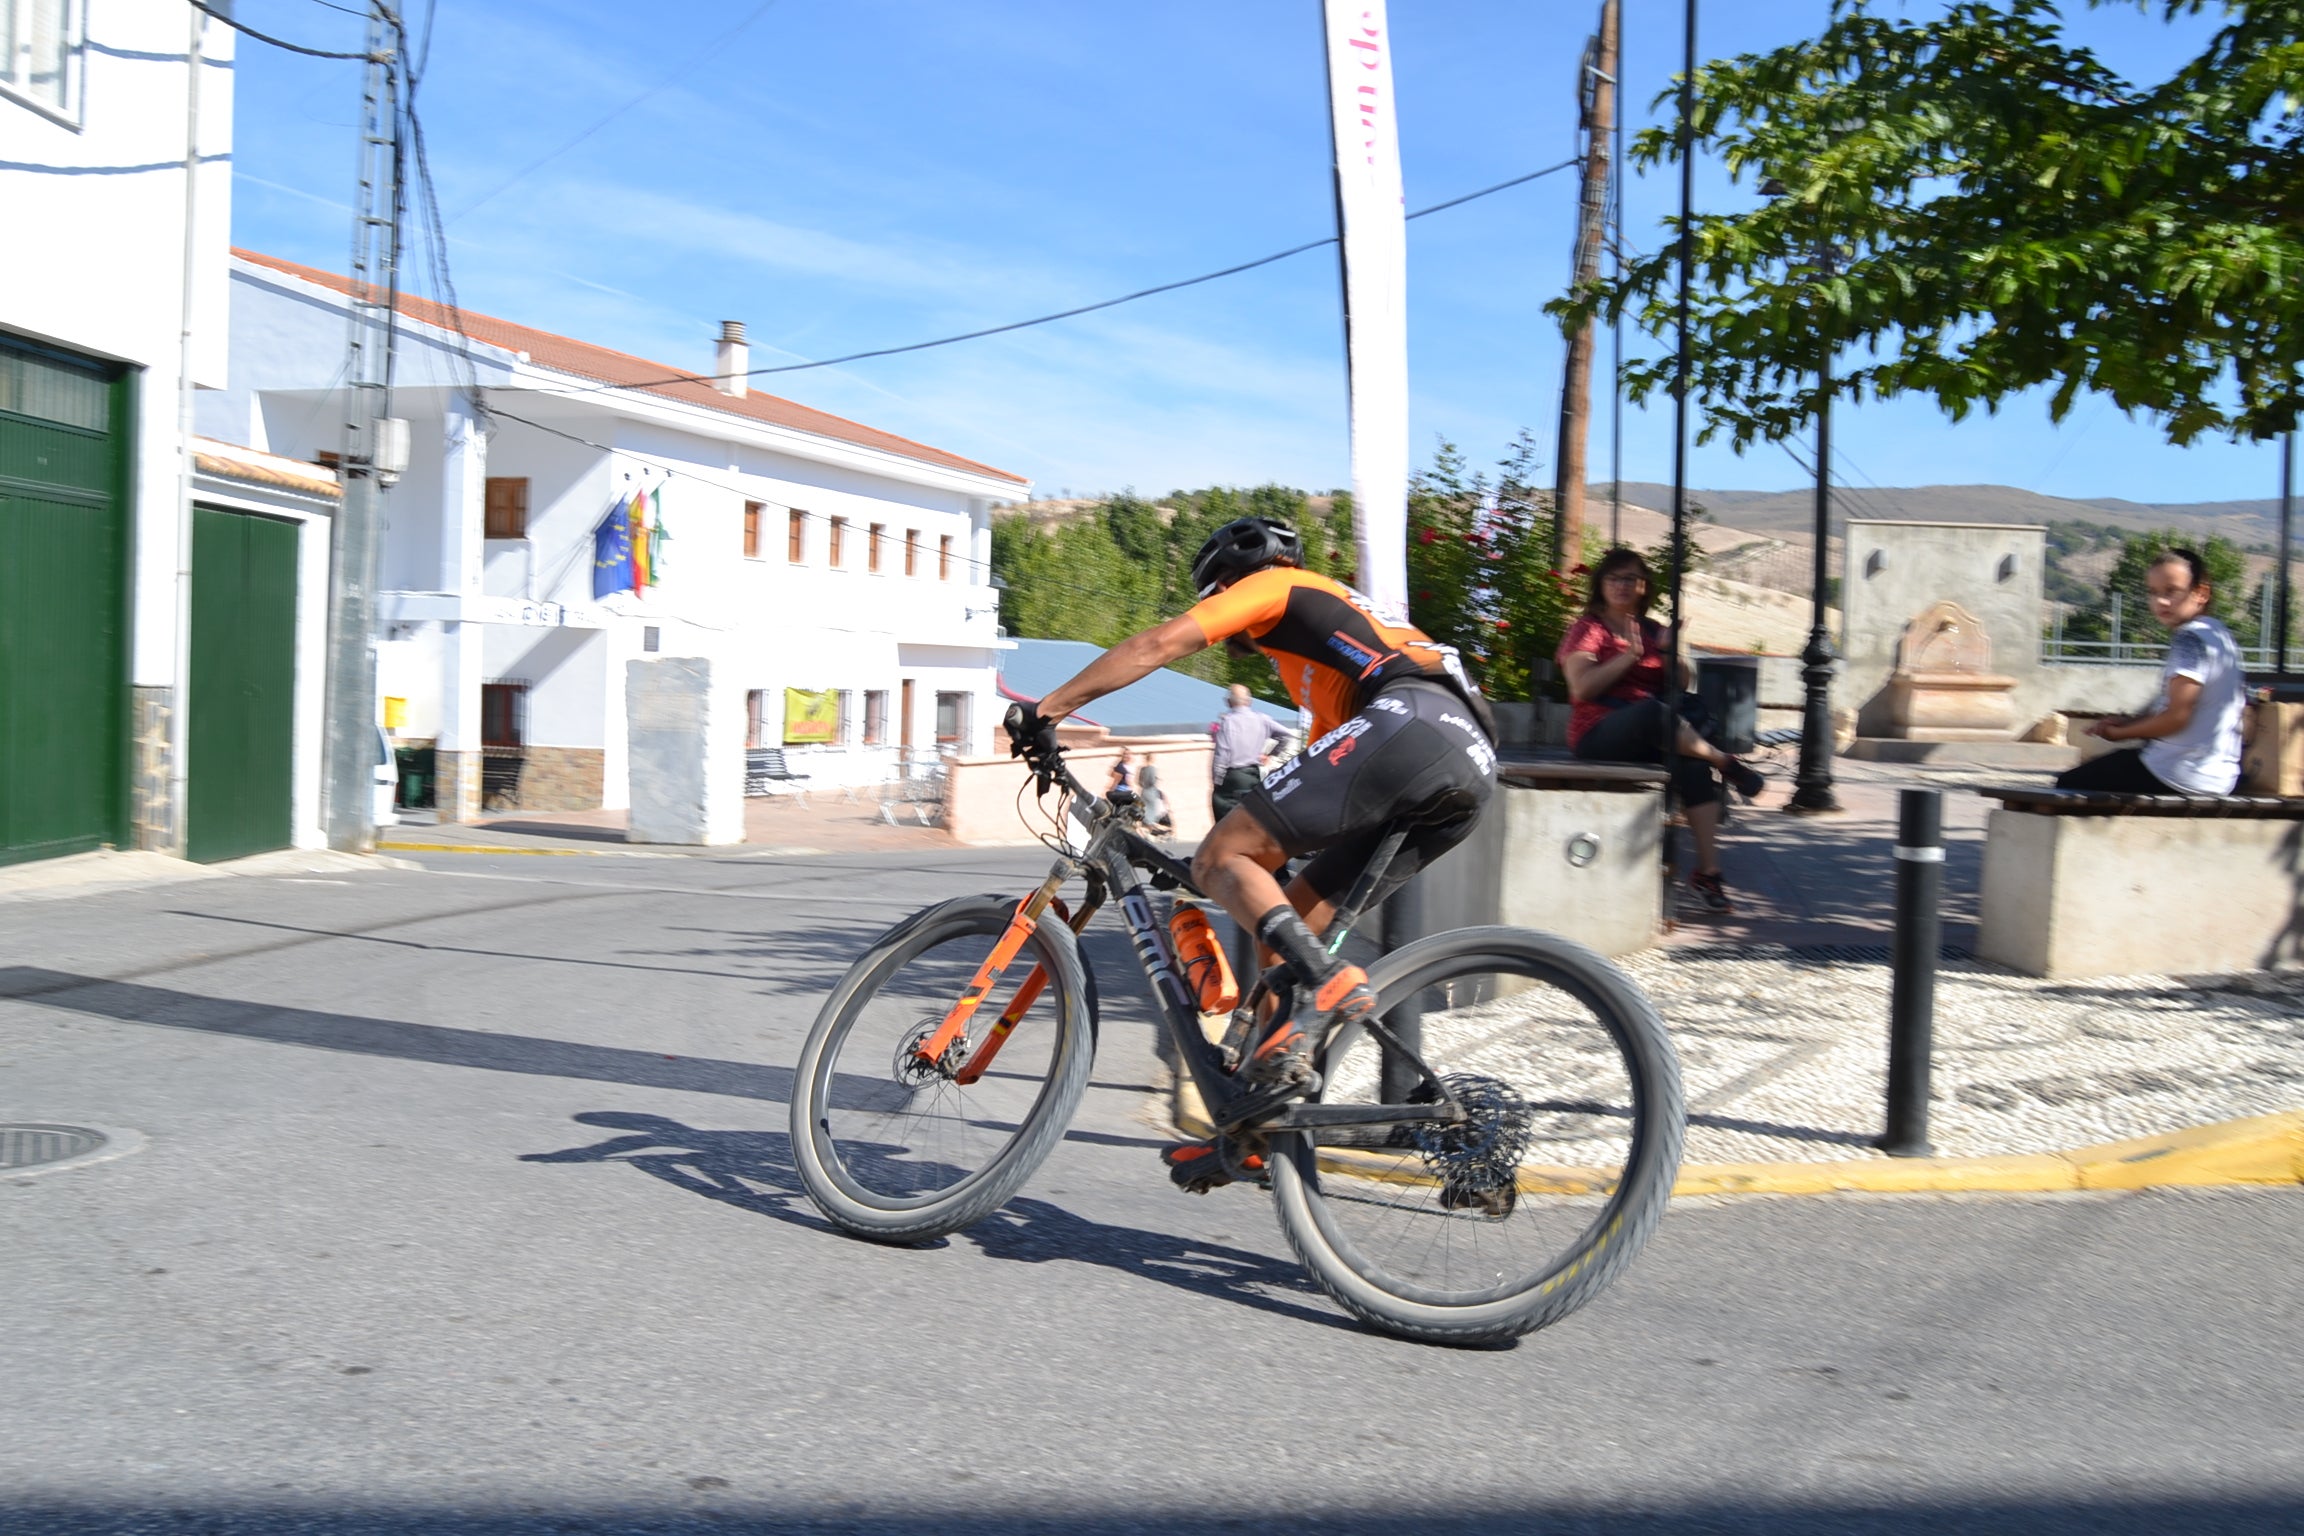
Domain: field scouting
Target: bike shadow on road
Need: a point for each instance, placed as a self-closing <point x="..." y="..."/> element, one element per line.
<point x="753" y="1171"/>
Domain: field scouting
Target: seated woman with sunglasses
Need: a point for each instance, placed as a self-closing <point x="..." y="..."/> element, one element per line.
<point x="1614" y="657"/>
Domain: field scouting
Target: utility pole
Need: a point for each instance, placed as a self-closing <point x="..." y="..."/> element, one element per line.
<point x="2280" y="574"/>
<point x="1596" y="112"/>
<point x="1616" y="349"/>
<point x="373" y="450"/>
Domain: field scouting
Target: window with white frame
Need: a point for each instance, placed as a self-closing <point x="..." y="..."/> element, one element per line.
<point x="42" y="51"/>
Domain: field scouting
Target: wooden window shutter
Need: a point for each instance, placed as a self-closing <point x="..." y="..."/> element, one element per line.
<point x="507" y="507"/>
<point x="796" y="536"/>
<point x="752" y="511"/>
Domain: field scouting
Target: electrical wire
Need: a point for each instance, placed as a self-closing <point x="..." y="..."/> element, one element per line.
<point x="213" y="14"/>
<point x="1065" y="314"/>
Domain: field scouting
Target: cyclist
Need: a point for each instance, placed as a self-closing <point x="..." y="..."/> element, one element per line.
<point x="1399" y="732"/>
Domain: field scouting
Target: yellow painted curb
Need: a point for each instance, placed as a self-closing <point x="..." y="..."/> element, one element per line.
<point x="2263" y="1149"/>
<point x="565" y="853"/>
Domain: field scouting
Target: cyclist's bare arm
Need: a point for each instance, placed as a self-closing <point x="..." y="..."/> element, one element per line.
<point x="1138" y="656"/>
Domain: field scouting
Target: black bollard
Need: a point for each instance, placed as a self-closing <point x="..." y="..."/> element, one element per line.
<point x="1912" y="1003"/>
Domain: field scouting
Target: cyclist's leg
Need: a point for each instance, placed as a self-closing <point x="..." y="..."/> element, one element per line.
<point x="1235" y="866"/>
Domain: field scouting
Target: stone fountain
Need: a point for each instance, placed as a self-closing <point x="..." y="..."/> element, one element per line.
<point x="1943" y="687"/>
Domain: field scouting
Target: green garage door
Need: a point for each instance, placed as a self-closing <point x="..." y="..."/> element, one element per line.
<point x="64" y="436"/>
<point x="240" y="769"/>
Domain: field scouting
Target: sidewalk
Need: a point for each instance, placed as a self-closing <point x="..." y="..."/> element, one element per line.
<point x="775" y="826"/>
<point x="1780" y="1012"/>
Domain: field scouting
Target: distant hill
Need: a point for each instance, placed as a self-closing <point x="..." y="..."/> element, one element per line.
<point x="1780" y="512"/>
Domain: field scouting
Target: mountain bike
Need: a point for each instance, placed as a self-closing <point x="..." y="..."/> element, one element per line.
<point x="1481" y="1155"/>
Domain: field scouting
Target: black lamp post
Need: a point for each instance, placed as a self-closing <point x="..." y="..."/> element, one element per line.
<point x="1812" y="785"/>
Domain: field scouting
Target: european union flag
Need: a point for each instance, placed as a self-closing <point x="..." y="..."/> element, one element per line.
<point x="612" y="552"/>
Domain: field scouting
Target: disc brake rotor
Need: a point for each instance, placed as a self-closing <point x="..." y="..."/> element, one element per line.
<point x="916" y="1071"/>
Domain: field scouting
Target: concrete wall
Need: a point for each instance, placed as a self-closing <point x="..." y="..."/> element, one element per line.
<point x="2134" y="895"/>
<point x="1896" y="570"/>
<point x="981" y="807"/>
<point x="687" y="742"/>
<point x="1920" y="564"/>
<point x="1585" y="864"/>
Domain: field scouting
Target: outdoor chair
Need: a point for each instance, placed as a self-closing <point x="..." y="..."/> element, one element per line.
<point x="765" y="773"/>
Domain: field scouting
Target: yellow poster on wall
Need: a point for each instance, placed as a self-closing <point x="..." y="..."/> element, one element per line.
<point x="811" y="716"/>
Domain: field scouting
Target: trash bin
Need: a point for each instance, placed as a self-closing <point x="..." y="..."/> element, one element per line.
<point x="415" y="768"/>
<point x="1729" y="687"/>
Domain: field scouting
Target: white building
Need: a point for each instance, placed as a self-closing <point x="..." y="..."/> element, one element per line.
<point x="161" y="599"/>
<point x="805" y="555"/>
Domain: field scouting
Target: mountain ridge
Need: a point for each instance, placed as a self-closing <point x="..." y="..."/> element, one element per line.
<point x="2246" y="521"/>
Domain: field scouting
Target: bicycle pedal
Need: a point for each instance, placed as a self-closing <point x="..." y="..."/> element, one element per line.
<point x="1197" y="1167"/>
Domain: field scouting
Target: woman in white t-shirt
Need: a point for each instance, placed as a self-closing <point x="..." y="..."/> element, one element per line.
<point x="2191" y="735"/>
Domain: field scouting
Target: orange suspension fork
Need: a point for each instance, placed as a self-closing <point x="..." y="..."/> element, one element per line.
<point x="1027" y="993"/>
<point x="1020" y="926"/>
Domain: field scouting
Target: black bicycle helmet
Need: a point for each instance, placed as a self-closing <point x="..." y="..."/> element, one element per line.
<point x="1241" y="548"/>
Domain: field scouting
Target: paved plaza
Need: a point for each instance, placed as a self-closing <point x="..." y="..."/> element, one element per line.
<point x="1780" y="1012"/>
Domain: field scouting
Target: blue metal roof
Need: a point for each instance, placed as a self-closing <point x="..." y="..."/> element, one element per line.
<point x="1165" y="704"/>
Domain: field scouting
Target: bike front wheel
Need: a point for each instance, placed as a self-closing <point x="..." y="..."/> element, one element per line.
<point x="898" y="1149"/>
<point x="1513" y="1216"/>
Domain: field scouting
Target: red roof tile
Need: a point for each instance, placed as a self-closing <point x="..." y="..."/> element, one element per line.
<point x="564" y="354"/>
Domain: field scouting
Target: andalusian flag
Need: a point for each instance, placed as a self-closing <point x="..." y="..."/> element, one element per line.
<point x="636" y="516"/>
<point x="657" y="537"/>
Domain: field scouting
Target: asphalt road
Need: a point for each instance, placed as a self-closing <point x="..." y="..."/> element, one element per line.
<point x="465" y="1207"/>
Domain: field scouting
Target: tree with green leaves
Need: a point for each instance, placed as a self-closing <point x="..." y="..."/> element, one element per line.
<point x="2001" y="211"/>
<point x="2139" y="552"/>
<point x="1481" y="569"/>
<point x="1128" y="564"/>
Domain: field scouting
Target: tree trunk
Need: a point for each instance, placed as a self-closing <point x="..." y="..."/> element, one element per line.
<point x="1597" y="101"/>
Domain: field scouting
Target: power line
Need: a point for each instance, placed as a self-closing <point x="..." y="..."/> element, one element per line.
<point x="704" y="55"/>
<point x="214" y="14"/>
<point x="1066" y="314"/>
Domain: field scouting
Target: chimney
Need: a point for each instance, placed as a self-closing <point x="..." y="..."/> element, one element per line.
<point x="733" y="359"/>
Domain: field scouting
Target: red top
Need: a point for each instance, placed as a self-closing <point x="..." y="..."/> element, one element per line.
<point x="1592" y="637"/>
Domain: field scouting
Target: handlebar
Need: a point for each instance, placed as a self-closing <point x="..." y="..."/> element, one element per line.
<point x="1033" y="738"/>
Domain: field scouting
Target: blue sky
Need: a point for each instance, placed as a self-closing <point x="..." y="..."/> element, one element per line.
<point x="844" y="174"/>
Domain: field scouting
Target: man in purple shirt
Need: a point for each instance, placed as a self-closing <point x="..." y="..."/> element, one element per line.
<point x="1244" y="736"/>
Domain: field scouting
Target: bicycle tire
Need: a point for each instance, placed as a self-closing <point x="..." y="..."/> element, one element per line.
<point x="837" y="1180"/>
<point x="1318" y="1230"/>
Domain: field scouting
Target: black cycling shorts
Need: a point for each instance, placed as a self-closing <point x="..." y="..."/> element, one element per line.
<point x="1413" y="752"/>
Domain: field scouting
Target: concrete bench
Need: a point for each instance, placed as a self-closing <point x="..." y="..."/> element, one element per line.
<point x="1567" y="846"/>
<point x="2085" y="883"/>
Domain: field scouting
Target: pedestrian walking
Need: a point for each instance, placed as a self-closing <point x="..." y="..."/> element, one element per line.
<point x="1244" y="737"/>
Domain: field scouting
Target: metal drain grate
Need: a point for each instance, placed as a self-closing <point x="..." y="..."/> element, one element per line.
<point x="32" y="1146"/>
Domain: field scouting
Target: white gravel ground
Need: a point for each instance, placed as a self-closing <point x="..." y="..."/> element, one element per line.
<point x="1785" y="1058"/>
<point x="1783" y="1055"/>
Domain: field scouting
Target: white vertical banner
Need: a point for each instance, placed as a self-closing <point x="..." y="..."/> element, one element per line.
<point x="1373" y="215"/>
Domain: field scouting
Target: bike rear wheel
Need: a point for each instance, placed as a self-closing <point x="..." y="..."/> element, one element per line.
<point x="897" y="1150"/>
<point x="1485" y="1230"/>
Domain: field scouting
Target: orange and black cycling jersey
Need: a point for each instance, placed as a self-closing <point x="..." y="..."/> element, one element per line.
<point x="1335" y="651"/>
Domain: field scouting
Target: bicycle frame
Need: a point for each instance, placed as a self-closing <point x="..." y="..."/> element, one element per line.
<point x="1114" y="860"/>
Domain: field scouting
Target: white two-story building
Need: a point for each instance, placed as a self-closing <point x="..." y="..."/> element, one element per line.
<point x="836" y="573"/>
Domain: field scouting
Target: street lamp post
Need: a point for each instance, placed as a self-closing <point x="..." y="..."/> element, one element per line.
<point x="1812" y="785"/>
